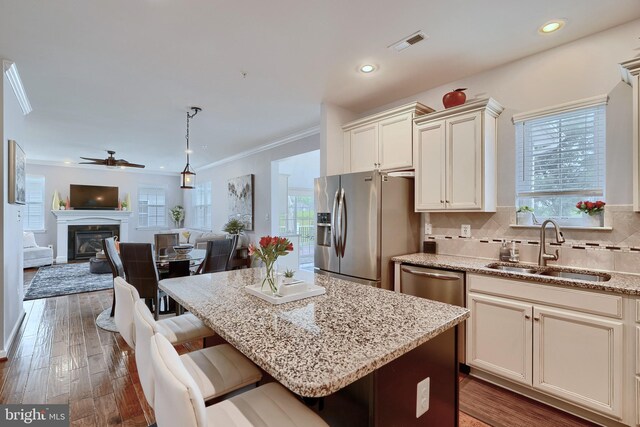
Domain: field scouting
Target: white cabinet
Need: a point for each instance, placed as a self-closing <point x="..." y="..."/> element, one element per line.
<point x="578" y="358"/>
<point x="499" y="337"/>
<point x="455" y="152"/>
<point x="383" y="141"/>
<point x="548" y="339"/>
<point x="631" y="74"/>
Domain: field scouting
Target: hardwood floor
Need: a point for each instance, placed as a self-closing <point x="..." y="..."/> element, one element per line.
<point x="61" y="356"/>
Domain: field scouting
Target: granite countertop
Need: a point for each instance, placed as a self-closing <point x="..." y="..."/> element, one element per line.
<point x="619" y="283"/>
<point x="318" y="345"/>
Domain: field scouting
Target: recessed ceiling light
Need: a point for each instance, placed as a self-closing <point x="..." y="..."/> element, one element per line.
<point x="67" y="162"/>
<point x="367" y="68"/>
<point x="551" y="26"/>
<point x="189" y="151"/>
<point x="161" y="167"/>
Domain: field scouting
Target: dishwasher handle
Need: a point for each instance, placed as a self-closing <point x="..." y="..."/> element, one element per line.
<point x="438" y="276"/>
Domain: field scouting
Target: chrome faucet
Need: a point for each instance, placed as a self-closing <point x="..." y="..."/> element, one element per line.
<point x="543" y="256"/>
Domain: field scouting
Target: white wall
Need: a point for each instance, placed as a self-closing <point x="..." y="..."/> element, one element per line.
<point x="11" y="127"/>
<point x="59" y="178"/>
<point x="332" y="117"/>
<point x="576" y="70"/>
<point x="258" y="164"/>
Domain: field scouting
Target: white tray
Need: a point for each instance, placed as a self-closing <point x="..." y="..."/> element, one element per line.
<point x="293" y="292"/>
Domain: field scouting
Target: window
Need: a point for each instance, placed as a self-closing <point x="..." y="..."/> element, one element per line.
<point x="202" y="206"/>
<point x="152" y="210"/>
<point x="34" y="207"/>
<point x="560" y="159"/>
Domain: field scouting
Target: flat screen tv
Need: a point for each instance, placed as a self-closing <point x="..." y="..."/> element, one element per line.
<point x="93" y="197"/>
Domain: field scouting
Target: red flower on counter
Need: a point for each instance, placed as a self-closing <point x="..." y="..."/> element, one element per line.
<point x="590" y="208"/>
<point x="270" y="248"/>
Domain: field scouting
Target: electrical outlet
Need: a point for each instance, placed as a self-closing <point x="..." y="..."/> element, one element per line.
<point x="427" y="229"/>
<point x="422" y="397"/>
<point x="465" y="230"/>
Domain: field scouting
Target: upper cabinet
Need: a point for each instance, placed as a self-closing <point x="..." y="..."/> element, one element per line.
<point x="631" y="73"/>
<point x="455" y="158"/>
<point x="383" y="141"/>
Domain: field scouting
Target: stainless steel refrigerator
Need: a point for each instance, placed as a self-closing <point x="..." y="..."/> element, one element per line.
<point x="364" y="219"/>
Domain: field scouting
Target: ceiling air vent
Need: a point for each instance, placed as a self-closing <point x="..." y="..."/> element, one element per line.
<point x="408" y="41"/>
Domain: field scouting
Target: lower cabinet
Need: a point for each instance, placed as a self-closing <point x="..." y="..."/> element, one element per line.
<point x="577" y="357"/>
<point x="499" y="337"/>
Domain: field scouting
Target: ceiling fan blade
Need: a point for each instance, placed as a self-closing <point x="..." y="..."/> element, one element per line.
<point x="91" y="163"/>
<point x="93" y="160"/>
<point x="132" y="165"/>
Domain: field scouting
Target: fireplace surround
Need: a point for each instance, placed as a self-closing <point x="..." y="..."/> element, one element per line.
<point x="67" y="218"/>
<point x="84" y="241"/>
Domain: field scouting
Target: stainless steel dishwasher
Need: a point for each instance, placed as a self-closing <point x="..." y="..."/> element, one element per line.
<point x="438" y="285"/>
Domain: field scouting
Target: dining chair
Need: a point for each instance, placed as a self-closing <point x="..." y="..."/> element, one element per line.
<point x="218" y="256"/>
<point x="126" y="295"/>
<point x="178" y="400"/>
<point x="113" y="258"/>
<point x="178" y="329"/>
<point x="164" y="243"/>
<point x="140" y="271"/>
<point x="217" y="370"/>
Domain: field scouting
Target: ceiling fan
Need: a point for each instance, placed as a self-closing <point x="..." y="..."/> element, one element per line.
<point x="111" y="161"/>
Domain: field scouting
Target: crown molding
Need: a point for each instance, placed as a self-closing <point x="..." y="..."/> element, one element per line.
<point x="277" y="143"/>
<point x="492" y="107"/>
<point x="11" y="70"/>
<point x="561" y="108"/>
<point x="41" y="162"/>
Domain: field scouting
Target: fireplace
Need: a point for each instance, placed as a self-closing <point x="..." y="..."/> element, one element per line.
<point x="86" y="240"/>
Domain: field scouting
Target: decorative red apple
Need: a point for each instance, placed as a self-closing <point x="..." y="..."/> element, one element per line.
<point x="454" y="98"/>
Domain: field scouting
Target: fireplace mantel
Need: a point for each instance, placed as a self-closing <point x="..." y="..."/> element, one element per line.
<point x="86" y="217"/>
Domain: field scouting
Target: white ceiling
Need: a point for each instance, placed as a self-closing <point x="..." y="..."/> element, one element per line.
<point x="120" y="74"/>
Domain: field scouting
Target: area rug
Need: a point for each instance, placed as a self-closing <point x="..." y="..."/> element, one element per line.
<point x="66" y="279"/>
<point x="106" y="322"/>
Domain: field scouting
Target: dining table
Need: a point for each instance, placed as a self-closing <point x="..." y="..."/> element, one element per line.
<point x="356" y="351"/>
<point x="179" y="265"/>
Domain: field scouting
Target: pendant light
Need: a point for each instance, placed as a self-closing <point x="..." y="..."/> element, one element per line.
<point x="188" y="176"/>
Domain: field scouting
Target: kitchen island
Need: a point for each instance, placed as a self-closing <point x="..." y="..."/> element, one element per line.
<point x="354" y="346"/>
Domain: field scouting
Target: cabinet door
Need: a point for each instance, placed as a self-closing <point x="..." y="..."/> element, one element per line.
<point x="430" y="166"/>
<point x="578" y="357"/>
<point x="499" y="337"/>
<point x="464" y="162"/>
<point x="395" y="146"/>
<point x="364" y="148"/>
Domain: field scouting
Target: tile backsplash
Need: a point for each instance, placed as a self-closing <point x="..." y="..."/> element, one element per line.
<point x="615" y="249"/>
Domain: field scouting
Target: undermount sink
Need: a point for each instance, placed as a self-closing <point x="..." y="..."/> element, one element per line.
<point x="589" y="277"/>
<point x="512" y="269"/>
<point x="552" y="272"/>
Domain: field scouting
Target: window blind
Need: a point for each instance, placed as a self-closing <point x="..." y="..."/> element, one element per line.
<point x="34" y="206"/>
<point x="202" y="206"/>
<point x="152" y="207"/>
<point x="562" y="154"/>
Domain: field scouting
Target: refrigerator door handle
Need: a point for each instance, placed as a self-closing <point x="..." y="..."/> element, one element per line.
<point x="342" y="212"/>
<point x="334" y="227"/>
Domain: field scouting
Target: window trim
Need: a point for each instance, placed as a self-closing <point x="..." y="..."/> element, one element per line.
<point x="519" y="122"/>
<point x="199" y="188"/>
<point x="44" y="204"/>
<point x="163" y="226"/>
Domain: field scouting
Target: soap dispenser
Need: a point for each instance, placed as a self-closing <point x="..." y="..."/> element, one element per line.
<point x="505" y="253"/>
<point x="514" y="253"/>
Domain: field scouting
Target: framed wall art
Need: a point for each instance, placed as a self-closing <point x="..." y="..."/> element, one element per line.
<point x="240" y="197"/>
<point x="17" y="174"/>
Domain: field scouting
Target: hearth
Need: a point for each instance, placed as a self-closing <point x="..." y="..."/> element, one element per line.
<point x="86" y="240"/>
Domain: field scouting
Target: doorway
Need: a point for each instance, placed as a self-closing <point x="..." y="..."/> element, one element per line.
<point x="292" y="206"/>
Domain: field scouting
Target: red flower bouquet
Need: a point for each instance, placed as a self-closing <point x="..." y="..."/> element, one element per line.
<point x="268" y="251"/>
<point x="590" y="208"/>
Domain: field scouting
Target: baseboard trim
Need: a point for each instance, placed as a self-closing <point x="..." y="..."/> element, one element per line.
<point x="5" y="351"/>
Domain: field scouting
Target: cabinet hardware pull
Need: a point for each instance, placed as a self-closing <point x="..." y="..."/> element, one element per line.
<point x="448" y="201"/>
<point x="537" y="319"/>
<point x="526" y="316"/>
<point x="441" y="201"/>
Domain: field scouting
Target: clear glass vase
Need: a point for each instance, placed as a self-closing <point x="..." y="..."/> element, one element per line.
<point x="270" y="278"/>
